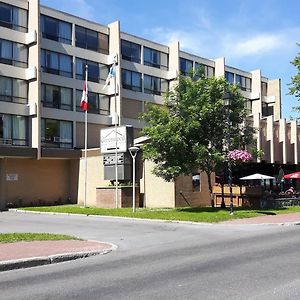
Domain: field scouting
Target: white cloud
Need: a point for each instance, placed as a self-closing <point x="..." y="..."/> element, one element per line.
<point x="192" y="41"/>
<point x="229" y="44"/>
<point x="258" y="44"/>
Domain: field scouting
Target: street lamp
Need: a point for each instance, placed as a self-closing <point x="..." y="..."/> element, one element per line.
<point x="227" y="102"/>
<point x="133" y="152"/>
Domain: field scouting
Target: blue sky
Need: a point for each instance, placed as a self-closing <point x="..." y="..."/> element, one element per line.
<point x="250" y="34"/>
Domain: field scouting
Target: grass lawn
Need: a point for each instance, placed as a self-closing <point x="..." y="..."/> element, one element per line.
<point x="195" y="214"/>
<point x="18" y="237"/>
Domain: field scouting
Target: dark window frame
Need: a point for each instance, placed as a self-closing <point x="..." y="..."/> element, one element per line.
<point x="153" y="90"/>
<point x="205" y="69"/>
<point x="12" y="61"/>
<point x="85" y="43"/>
<point x="151" y="62"/>
<point x="242" y="84"/>
<point x="54" y="141"/>
<point x="12" y="98"/>
<point x="131" y="86"/>
<point x="57" y="37"/>
<point x="185" y="72"/>
<point x="12" y="24"/>
<point x="239" y="80"/>
<point x="57" y="71"/>
<point x="59" y="104"/>
<point x="14" y="141"/>
<point x="264" y="88"/>
<point x="81" y="76"/>
<point x="98" y="110"/>
<point x="130" y="45"/>
<point x="228" y="79"/>
<point x="267" y="109"/>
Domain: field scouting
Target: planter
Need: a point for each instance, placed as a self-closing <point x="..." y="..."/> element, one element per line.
<point x="106" y="197"/>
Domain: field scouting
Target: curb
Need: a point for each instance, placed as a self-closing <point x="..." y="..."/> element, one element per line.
<point x="47" y="260"/>
<point x="154" y="220"/>
<point x="108" y="217"/>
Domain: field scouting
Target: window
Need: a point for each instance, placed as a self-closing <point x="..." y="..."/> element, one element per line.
<point x="13" y="90"/>
<point x="155" y="58"/>
<point x="96" y="72"/>
<point x="13" y="130"/>
<point x="13" y="17"/>
<point x="57" y="97"/>
<point x="13" y="54"/>
<point x="186" y="66"/>
<point x="248" y="105"/>
<point x="164" y="61"/>
<point x="103" y="43"/>
<point x="208" y="71"/>
<point x="264" y="88"/>
<point x="267" y="109"/>
<point x="131" y="51"/>
<point x="151" y="57"/>
<point x="248" y="84"/>
<point x="153" y="85"/>
<point x="56" y="30"/>
<point x="97" y="103"/>
<point x="229" y="77"/>
<point x="56" y="134"/>
<point x="196" y="181"/>
<point x="131" y="80"/>
<point x="244" y="83"/>
<point x="92" y="40"/>
<point x="56" y="63"/>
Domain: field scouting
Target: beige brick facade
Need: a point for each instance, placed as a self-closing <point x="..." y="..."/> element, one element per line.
<point x="55" y="165"/>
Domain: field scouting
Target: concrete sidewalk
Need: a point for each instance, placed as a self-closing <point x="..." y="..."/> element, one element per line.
<point x="281" y="219"/>
<point x="29" y="254"/>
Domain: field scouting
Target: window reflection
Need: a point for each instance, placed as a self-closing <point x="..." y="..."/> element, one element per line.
<point x="56" y="63"/>
<point x="92" y="40"/>
<point x="56" y="30"/>
<point x="13" y="17"/>
<point x="131" y="51"/>
<point x="56" y="134"/>
<point x="13" y="130"/>
<point x="131" y="80"/>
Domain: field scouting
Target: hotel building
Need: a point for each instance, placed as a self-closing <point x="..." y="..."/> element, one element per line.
<point x="43" y="53"/>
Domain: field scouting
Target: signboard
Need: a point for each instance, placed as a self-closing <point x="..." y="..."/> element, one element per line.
<point x="110" y="139"/>
<point x="11" y="177"/>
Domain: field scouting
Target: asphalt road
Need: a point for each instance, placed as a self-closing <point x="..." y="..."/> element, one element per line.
<point x="160" y="260"/>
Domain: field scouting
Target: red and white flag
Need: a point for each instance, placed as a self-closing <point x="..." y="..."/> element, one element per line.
<point x="84" y="98"/>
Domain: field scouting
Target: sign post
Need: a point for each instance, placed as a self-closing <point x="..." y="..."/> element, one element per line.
<point x="115" y="140"/>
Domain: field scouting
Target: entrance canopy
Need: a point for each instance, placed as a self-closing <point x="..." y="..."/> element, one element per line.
<point x="257" y="176"/>
<point x="295" y="175"/>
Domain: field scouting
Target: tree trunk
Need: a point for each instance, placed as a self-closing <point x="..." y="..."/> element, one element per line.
<point x="211" y="196"/>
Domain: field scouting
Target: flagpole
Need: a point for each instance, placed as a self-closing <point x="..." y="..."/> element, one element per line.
<point x="85" y="139"/>
<point x="116" y="134"/>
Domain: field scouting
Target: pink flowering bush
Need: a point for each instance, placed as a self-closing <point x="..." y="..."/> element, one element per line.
<point x="239" y="156"/>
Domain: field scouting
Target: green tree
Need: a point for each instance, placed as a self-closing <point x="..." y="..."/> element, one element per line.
<point x="294" y="88"/>
<point x="191" y="131"/>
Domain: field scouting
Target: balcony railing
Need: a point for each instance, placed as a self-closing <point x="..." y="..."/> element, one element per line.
<point x="13" y="142"/>
<point x="57" y="142"/>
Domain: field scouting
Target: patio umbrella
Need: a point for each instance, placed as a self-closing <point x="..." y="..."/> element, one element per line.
<point x="257" y="176"/>
<point x="295" y="175"/>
